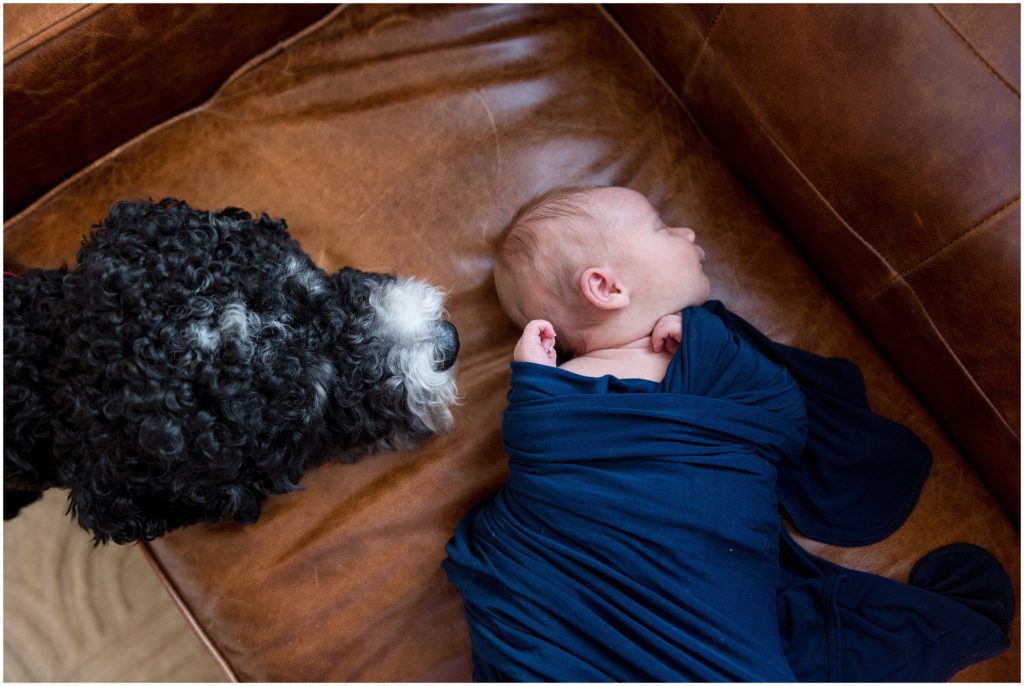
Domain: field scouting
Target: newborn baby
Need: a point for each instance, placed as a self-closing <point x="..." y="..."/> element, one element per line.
<point x="635" y="455"/>
<point x="638" y="535"/>
<point x="600" y="267"/>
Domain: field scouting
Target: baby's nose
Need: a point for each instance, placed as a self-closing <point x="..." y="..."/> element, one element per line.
<point x="691" y="235"/>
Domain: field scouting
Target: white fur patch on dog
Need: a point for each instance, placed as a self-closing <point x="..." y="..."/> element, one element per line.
<point x="407" y="308"/>
<point x="408" y="311"/>
<point x="237" y="320"/>
<point x="204" y="337"/>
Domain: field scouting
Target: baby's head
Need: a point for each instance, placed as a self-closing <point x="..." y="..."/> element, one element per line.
<point x="590" y="258"/>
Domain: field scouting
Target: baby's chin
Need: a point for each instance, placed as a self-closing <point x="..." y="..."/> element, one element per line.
<point x="698" y="299"/>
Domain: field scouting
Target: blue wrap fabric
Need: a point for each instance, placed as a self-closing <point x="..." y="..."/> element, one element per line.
<point x="638" y="536"/>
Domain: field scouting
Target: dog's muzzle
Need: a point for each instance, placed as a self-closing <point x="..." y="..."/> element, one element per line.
<point x="447" y="347"/>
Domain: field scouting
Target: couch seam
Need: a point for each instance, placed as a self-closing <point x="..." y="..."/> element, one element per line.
<point x="15" y="222"/>
<point x="714" y="23"/>
<point x="97" y="10"/>
<point x="924" y="261"/>
<point x="760" y="123"/>
<point x="957" y="360"/>
<point x="187" y="614"/>
<point x="88" y="89"/>
<point x="700" y="56"/>
<point x="278" y="48"/>
<point x="654" y="70"/>
<point x="974" y="50"/>
<point x="677" y="96"/>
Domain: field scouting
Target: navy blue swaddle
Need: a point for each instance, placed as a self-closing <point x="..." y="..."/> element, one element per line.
<point x="638" y="537"/>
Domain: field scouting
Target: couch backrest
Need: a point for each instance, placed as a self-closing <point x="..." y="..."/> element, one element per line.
<point x="72" y="86"/>
<point x="886" y="140"/>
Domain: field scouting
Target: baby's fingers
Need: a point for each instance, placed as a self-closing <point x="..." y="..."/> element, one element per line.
<point x="547" y="339"/>
<point x="663" y="342"/>
<point x="668" y="332"/>
<point x="537" y="344"/>
<point x="540" y="328"/>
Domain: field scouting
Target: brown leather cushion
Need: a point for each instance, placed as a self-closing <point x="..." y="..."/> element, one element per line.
<point x="887" y="140"/>
<point x="82" y="79"/>
<point x="401" y="139"/>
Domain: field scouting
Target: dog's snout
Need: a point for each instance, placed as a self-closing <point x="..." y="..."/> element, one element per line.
<point x="447" y="345"/>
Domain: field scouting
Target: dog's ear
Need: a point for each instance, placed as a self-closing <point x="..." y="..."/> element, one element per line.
<point x="124" y="517"/>
<point x="112" y="516"/>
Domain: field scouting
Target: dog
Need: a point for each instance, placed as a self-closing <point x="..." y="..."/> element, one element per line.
<point x="194" y="362"/>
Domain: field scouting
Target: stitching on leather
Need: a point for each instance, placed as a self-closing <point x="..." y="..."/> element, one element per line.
<point x="647" y="62"/>
<point x="966" y="233"/>
<point x="43" y="120"/>
<point x="46" y="28"/>
<point x="905" y="274"/>
<point x="62" y="20"/>
<point x="771" y="139"/>
<point x="714" y="23"/>
<point x="902" y="279"/>
<point x="279" y="48"/>
<point x="703" y="50"/>
<point x="675" y="95"/>
<point x="977" y="54"/>
<point x="956" y="358"/>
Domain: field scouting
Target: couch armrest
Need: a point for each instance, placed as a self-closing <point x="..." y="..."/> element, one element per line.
<point x="886" y="140"/>
<point x="79" y="80"/>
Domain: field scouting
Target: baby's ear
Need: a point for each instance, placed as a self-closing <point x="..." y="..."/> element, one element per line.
<point x="604" y="289"/>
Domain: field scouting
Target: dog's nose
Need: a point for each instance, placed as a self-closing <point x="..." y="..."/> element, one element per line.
<point x="447" y="345"/>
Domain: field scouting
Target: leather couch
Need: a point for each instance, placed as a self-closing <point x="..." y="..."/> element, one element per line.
<point x="852" y="172"/>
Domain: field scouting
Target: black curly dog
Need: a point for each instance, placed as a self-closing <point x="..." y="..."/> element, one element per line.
<point x="193" y="362"/>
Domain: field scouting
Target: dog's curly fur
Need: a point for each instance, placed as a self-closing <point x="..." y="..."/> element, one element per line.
<point x="193" y="362"/>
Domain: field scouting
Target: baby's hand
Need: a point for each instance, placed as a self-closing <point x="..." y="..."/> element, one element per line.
<point x="537" y="344"/>
<point x="668" y="333"/>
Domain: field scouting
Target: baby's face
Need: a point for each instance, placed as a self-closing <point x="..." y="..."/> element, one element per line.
<point x="662" y="263"/>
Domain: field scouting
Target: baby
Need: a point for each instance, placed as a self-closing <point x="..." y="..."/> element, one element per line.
<point x="600" y="266"/>
<point x="635" y="537"/>
<point x="638" y="537"/>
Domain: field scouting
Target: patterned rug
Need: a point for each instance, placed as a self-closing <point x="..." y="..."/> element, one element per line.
<point x="77" y="613"/>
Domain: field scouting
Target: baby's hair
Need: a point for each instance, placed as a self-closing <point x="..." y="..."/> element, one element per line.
<point x="526" y="243"/>
<point x="557" y="203"/>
